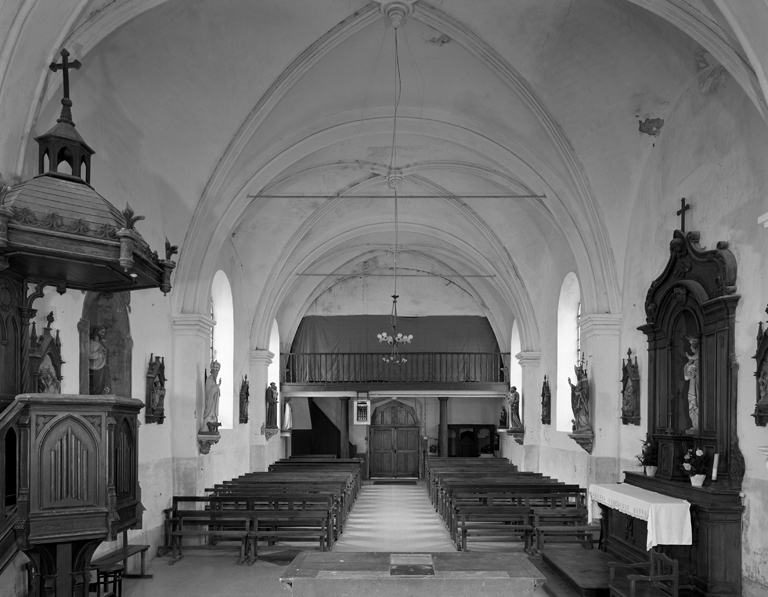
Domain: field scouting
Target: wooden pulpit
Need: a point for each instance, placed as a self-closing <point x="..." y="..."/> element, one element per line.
<point x="78" y="483"/>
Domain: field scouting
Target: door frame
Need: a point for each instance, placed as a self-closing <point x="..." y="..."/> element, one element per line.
<point x="416" y="425"/>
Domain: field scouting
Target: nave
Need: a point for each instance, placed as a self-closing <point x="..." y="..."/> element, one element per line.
<point x="386" y="517"/>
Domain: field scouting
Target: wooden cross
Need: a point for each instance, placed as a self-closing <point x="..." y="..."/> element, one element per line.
<point x="65" y="66"/>
<point x="681" y="212"/>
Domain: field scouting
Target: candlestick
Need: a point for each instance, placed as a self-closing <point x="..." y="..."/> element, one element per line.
<point x="714" y="466"/>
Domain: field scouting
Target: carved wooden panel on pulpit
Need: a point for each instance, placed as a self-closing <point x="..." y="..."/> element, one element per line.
<point x="68" y="463"/>
<point x="10" y="339"/>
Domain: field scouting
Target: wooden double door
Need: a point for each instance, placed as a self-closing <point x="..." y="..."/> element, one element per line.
<point x="394" y="451"/>
<point x="393" y="441"/>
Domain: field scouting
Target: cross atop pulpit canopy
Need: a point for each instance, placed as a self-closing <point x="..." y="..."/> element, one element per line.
<point x="65" y="66"/>
<point x="684" y="207"/>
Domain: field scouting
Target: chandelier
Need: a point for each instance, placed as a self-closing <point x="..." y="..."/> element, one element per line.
<point x="396" y="14"/>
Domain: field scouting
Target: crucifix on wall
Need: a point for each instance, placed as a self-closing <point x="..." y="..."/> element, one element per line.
<point x="684" y="207"/>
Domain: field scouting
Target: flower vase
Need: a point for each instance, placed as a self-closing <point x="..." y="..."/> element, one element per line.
<point x="698" y="480"/>
<point x="650" y="471"/>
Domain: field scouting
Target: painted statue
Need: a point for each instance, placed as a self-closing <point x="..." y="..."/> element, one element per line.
<point x="513" y="404"/>
<point x="212" y="395"/>
<point x="98" y="368"/>
<point x="691" y="375"/>
<point x="580" y="400"/>
<point x="272" y="398"/>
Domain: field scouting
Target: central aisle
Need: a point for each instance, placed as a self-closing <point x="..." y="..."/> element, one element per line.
<point x="392" y="518"/>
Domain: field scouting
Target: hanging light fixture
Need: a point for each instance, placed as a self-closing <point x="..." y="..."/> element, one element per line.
<point x="396" y="11"/>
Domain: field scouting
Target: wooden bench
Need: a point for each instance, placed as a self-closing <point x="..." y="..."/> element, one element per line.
<point x="660" y="578"/>
<point x="495" y="523"/>
<point x="219" y="525"/>
<point x="302" y="526"/>
<point x="122" y="554"/>
<point x="563" y="525"/>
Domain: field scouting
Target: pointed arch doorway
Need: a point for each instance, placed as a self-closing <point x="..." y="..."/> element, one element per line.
<point x="393" y="441"/>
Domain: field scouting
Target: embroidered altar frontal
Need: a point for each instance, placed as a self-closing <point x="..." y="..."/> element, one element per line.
<point x="325" y="574"/>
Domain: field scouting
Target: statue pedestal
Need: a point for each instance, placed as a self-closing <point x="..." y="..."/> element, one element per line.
<point x="206" y="439"/>
<point x="585" y="439"/>
<point x="518" y="433"/>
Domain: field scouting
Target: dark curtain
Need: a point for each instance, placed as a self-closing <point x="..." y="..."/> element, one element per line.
<point x="356" y="335"/>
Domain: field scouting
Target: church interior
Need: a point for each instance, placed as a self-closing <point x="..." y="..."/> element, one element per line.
<point x="389" y="232"/>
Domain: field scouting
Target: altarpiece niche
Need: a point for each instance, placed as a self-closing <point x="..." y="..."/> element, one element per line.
<point x="692" y="370"/>
<point x="761" y="375"/>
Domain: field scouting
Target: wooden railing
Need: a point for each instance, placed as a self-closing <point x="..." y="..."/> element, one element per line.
<point x="419" y="367"/>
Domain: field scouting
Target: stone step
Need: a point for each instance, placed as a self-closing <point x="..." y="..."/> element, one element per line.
<point x="585" y="571"/>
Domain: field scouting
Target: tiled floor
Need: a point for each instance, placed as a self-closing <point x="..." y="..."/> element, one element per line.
<point x="386" y="518"/>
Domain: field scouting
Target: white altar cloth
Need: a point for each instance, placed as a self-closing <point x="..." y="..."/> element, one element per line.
<point x="669" y="519"/>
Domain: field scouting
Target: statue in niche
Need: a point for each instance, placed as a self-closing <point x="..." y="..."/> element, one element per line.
<point x="212" y="394"/>
<point x="580" y="399"/>
<point x="98" y="367"/>
<point x="287" y="414"/>
<point x="546" y="403"/>
<point x="48" y="383"/>
<point x="691" y="375"/>
<point x="245" y="393"/>
<point x="630" y="391"/>
<point x="272" y="398"/>
<point x="762" y="385"/>
<point x="155" y="412"/>
<point x="513" y="404"/>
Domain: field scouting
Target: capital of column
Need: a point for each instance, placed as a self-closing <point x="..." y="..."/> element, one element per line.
<point x="528" y="358"/>
<point x="600" y="324"/>
<point x="344" y="398"/>
<point x="261" y="356"/>
<point x="193" y="324"/>
<point x="443" y="398"/>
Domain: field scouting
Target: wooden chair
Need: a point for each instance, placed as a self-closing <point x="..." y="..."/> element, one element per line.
<point x="661" y="580"/>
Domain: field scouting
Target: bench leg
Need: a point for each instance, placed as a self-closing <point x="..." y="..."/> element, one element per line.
<point x="177" y="553"/>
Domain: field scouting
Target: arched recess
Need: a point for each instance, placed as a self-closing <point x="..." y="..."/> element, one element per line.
<point x="223" y="342"/>
<point x="568" y="310"/>
<point x="515" y="370"/>
<point x="112" y="311"/>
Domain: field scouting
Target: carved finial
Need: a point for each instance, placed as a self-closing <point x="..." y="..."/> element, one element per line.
<point x="170" y="250"/>
<point x="129" y="218"/>
<point x="65" y="66"/>
<point x="681" y="212"/>
<point x="4" y="188"/>
<point x="49" y="319"/>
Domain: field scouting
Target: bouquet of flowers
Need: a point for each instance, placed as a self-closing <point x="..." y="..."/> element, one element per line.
<point x="695" y="462"/>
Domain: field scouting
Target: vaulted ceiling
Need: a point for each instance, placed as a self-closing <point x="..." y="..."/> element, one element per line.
<point x="202" y="111"/>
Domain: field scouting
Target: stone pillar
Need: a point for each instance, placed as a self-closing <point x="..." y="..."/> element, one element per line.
<point x="258" y="363"/>
<point x="442" y="430"/>
<point x="344" y="427"/>
<point x="185" y="404"/>
<point x="530" y="392"/>
<point x="600" y="343"/>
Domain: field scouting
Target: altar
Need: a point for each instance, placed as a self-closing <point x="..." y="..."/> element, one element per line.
<point x="459" y="574"/>
<point x="668" y="519"/>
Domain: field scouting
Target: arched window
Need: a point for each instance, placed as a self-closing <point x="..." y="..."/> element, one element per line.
<point x="568" y="313"/>
<point x="224" y="345"/>
<point x="515" y="370"/>
<point x="273" y="371"/>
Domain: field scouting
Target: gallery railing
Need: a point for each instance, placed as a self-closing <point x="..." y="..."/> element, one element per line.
<point x="419" y="367"/>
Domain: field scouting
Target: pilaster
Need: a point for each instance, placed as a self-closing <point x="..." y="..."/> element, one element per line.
<point x="259" y="361"/>
<point x="530" y="363"/>
<point x="191" y="355"/>
<point x="600" y="343"/>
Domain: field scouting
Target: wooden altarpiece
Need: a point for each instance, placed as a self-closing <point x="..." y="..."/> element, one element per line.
<point x="690" y="320"/>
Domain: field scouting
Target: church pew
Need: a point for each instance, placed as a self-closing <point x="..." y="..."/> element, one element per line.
<point x="562" y="525"/>
<point x="494" y="523"/>
<point x="440" y="478"/>
<point x="551" y="495"/>
<point x="478" y="490"/>
<point x="246" y="519"/>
